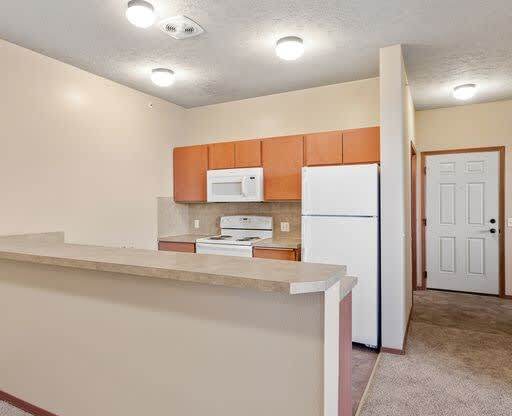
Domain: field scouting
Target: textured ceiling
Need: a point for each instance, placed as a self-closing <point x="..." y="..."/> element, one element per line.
<point x="447" y="42"/>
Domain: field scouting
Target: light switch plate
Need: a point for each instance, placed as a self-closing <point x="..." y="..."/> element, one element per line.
<point x="285" y="227"/>
<point x="509" y="222"/>
<point x="196" y="223"/>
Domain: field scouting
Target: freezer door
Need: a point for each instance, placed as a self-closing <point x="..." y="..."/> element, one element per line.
<point x="353" y="242"/>
<point x="341" y="190"/>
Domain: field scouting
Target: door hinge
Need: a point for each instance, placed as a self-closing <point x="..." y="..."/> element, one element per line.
<point x="424" y="222"/>
<point x="425" y="274"/>
<point x="425" y="170"/>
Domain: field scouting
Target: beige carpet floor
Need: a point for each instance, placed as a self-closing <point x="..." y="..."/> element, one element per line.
<point x="458" y="361"/>
<point x="7" y="410"/>
<point x="363" y="361"/>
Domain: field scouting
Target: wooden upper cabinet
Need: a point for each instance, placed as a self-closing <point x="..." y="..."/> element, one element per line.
<point x="361" y="145"/>
<point x="221" y="156"/>
<point x="283" y="158"/>
<point x="190" y="166"/>
<point x="323" y="148"/>
<point x="248" y="154"/>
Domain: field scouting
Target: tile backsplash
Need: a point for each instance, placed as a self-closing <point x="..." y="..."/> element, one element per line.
<point x="179" y="218"/>
<point x="173" y="218"/>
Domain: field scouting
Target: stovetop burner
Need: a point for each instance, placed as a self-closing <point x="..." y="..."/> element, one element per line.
<point x="248" y="238"/>
<point x="237" y="235"/>
<point x="221" y="237"/>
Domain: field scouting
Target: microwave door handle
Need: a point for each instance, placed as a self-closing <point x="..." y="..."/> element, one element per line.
<point x="244" y="186"/>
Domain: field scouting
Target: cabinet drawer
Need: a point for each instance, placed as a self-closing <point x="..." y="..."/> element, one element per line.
<point x="181" y="247"/>
<point x="276" y="253"/>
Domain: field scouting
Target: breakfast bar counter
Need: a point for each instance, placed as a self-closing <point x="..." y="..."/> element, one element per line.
<point x="275" y="276"/>
<point x="182" y="333"/>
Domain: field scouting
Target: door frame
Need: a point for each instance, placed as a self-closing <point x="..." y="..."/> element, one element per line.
<point x="501" y="203"/>
<point x="414" y="217"/>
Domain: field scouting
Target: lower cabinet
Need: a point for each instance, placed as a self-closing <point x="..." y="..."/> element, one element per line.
<point x="292" y="254"/>
<point x="181" y="247"/>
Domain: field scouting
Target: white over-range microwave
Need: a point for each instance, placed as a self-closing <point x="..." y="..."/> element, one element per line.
<point x="235" y="185"/>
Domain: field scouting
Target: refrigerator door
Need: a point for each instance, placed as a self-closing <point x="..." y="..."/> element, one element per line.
<point x="354" y="242"/>
<point x="341" y="190"/>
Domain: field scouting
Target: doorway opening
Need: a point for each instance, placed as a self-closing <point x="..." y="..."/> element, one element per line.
<point x="463" y="220"/>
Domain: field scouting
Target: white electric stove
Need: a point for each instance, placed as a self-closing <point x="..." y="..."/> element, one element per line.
<point x="237" y="236"/>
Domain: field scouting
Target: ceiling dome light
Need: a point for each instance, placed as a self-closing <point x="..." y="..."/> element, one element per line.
<point x="464" y="92"/>
<point x="162" y="77"/>
<point x="140" y="13"/>
<point x="290" y="48"/>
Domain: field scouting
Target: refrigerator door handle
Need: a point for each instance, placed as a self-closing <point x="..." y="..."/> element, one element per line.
<point x="303" y="238"/>
<point x="304" y="190"/>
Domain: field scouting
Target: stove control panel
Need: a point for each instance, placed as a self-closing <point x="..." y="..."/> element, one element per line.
<point x="246" y="222"/>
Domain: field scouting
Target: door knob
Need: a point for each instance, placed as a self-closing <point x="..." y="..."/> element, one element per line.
<point x="492" y="230"/>
<point x="493" y="221"/>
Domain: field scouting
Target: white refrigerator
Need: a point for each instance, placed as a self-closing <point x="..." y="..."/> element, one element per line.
<point x="340" y="225"/>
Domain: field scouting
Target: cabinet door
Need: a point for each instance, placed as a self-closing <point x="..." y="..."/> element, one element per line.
<point x="248" y="154"/>
<point x="275" y="253"/>
<point x="221" y="156"/>
<point x="283" y="158"/>
<point x="361" y="145"/>
<point x="190" y="166"/>
<point x="324" y="148"/>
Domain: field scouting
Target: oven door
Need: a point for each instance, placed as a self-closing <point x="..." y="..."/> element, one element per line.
<point x="224" y="249"/>
<point x="235" y="185"/>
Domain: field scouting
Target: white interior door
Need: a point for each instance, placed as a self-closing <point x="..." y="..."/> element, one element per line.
<point x="462" y="212"/>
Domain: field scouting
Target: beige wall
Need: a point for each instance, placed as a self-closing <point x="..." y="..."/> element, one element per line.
<point x="409" y="136"/>
<point x="397" y="121"/>
<point x="90" y="157"/>
<point x="334" y="107"/>
<point x="478" y="125"/>
<point x="80" y="153"/>
<point x="99" y="343"/>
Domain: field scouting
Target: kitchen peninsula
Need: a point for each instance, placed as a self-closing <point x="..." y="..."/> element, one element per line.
<point x="107" y="331"/>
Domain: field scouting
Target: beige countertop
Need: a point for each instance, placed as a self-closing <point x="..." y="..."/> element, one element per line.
<point x="280" y="242"/>
<point x="276" y="242"/>
<point x="259" y="274"/>
<point x="183" y="238"/>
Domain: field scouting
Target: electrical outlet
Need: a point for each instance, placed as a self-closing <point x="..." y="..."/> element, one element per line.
<point x="285" y="227"/>
<point x="196" y="223"/>
<point x="509" y="222"/>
